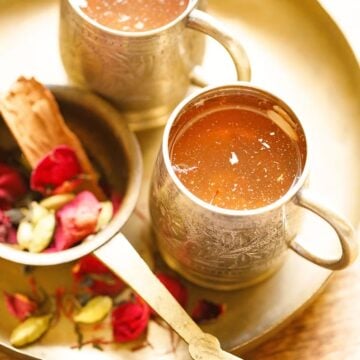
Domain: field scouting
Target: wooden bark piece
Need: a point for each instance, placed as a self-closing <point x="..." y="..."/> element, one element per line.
<point x="33" y="116"/>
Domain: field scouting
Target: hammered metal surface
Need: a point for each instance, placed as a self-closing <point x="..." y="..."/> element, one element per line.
<point x="298" y="53"/>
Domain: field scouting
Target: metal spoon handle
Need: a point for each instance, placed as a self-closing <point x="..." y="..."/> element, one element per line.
<point x="120" y="256"/>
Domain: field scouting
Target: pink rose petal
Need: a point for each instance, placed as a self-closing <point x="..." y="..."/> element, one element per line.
<point x="76" y="220"/>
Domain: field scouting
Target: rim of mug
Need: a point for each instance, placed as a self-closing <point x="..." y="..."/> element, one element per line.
<point x="223" y="211"/>
<point x="138" y="34"/>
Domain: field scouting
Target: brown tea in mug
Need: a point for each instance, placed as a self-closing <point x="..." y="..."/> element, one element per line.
<point x="133" y="15"/>
<point x="235" y="155"/>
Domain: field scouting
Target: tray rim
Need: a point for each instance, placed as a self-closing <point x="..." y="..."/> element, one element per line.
<point x="271" y="331"/>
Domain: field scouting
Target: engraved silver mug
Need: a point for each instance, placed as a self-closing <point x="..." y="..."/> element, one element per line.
<point x="145" y="74"/>
<point x="228" y="249"/>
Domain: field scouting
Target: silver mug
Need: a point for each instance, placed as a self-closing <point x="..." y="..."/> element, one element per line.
<point x="145" y="74"/>
<point x="228" y="249"/>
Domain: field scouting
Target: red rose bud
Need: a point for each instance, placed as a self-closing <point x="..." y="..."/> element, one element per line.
<point x="106" y="285"/>
<point x="60" y="166"/>
<point x="7" y="232"/>
<point x="12" y="186"/>
<point x="19" y="305"/>
<point x="130" y="320"/>
<point x="206" y="310"/>
<point x="76" y="220"/>
<point x="89" y="264"/>
<point x="177" y="290"/>
<point x="99" y="278"/>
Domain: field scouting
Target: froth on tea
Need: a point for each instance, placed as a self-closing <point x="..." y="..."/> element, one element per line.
<point x="133" y="15"/>
<point x="233" y="153"/>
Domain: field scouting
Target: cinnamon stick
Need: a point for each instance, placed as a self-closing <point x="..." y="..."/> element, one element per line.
<point x="32" y="114"/>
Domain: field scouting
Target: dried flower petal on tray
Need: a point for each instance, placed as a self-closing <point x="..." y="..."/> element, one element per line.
<point x="88" y="264"/>
<point x="97" y="293"/>
<point x="206" y="310"/>
<point x="12" y="186"/>
<point x="130" y="320"/>
<point x="76" y="220"/>
<point x="97" y="277"/>
<point x="59" y="166"/>
<point x="176" y="288"/>
<point x="20" y="305"/>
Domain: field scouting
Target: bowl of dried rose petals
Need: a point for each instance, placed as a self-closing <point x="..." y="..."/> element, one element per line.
<point x="70" y="173"/>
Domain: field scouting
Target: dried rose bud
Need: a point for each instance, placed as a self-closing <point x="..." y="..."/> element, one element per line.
<point x="130" y="320"/>
<point x="76" y="220"/>
<point x="89" y="264"/>
<point x="7" y="232"/>
<point x="106" y="285"/>
<point x="20" y="305"/>
<point x="206" y="310"/>
<point x="56" y="172"/>
<point x="97" y="277"/>
<point x="12" y="186"/>
<point x="176" y="288"/>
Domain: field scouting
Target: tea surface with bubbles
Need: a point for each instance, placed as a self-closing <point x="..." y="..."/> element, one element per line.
<point x="133" y="15"/>
<point x="235" y="157"/>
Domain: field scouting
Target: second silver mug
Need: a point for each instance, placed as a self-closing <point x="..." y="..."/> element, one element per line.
<point x="226" y="248"/>
<point x="145" y="74"/>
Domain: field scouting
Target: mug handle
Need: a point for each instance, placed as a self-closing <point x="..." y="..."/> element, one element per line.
<point x="205" y="23"/>
<point x="344" y="230"/>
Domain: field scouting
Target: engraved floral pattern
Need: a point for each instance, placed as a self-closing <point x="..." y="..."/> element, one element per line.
<point x="134" y="72"/>
<point x="210" y="245"/>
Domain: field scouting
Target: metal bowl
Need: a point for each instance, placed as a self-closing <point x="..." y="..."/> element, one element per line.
<point x="114" y="150"/>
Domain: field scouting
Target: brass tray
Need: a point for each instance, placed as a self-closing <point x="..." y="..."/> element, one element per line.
<point x="297" y="52"/>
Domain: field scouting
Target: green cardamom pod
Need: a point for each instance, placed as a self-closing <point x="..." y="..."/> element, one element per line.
<point x="30" y="330"/>
<point x="37" y="212"/>
<point x="55" y="202"/>
<point x="43" y="232"/>
<point x="106" y="214"/>
<point x="24" y="234"/>
<point x="94" y="311"/>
